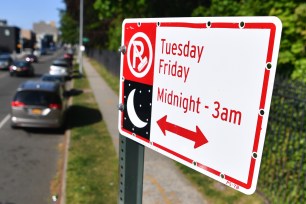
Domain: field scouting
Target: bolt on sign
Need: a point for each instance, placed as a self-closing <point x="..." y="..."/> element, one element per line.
<point x="198" y="90"/>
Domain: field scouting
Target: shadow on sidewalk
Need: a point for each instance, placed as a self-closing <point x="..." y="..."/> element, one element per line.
<point x="78" y="116"/>
<point x="73" y="92"/>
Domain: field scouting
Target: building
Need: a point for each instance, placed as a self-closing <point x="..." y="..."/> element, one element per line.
<point x="10" y="40"/>
<point x="46" y="34"/>
<point x="28" y="39"/>
<point x="3" y="22"/>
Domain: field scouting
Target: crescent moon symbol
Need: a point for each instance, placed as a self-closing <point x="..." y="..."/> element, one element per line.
<point x="132" y="113"/>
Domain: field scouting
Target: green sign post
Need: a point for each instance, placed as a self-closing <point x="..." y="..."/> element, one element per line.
<point x="85" y="39"/>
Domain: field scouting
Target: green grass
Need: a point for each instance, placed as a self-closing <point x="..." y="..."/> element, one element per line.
<point x="92" y="172"/>
<point x="216" y="192"/>
<point x="213" y="191"/>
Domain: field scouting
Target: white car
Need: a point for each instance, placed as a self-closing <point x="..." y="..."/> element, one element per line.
<point x="60" y="67"/>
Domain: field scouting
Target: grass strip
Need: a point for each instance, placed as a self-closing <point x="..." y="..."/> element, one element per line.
<point x="214" y="191"/>
<point x="92" y="172"/>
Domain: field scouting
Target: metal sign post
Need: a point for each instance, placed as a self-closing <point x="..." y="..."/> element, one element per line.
<point x="81" y="40"/>
<point x="131" y="158"/>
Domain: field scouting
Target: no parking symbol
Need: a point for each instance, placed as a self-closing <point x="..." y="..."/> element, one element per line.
<point x="139" y="54"/>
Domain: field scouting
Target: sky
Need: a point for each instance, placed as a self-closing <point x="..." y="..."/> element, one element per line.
<point x="23" y="13"/>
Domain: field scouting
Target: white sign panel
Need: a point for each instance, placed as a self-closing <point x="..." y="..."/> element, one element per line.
<point x="198" y="90"/>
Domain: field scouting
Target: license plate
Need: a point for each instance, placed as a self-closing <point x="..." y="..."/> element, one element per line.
<point x="36" y="111"/>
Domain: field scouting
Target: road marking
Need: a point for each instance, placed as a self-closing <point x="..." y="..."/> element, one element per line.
<point x="7" y="117"/>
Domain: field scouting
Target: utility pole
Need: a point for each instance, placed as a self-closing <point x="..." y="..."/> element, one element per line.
<point x="81" y="40"/>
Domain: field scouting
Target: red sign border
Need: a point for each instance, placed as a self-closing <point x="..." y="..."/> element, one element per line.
<point x="217" y="25"/>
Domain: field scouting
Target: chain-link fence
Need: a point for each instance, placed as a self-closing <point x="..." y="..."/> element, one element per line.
<point x="110" y="60"/>
<point x="283" y="169"/>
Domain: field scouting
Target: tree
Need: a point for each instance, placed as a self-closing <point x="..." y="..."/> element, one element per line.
<point x="117" y="10"/>
<point x="93" y="28"/>
<point x="291" y="60"/>
<point x="103" y="22"/>
<point x="69" y="29"/>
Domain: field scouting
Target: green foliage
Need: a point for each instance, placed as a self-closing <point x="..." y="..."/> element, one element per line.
<point x="106" y="32"/>
<point x="291" y="61"/>
<point x="111" y="9"/>
<point x="116" y="11"/>
<point x="106" y="8"/>
<point x="69" y="29"/>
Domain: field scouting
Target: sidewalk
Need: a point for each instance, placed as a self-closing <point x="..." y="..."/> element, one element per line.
<point x="163" y="183"/>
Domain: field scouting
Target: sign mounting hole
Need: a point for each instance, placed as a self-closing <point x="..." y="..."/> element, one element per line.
<point x="261" y="112"/>
<point x="254" y="155"/>
<point x="208" y="24"/>
<point x="241" y="24"/>
<point x="269" y="65"/>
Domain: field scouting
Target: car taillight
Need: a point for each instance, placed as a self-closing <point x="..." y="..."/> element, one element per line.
<point x="17" y="104"/>
<point x="55" y="106"/>
<point x="12" y="67"/>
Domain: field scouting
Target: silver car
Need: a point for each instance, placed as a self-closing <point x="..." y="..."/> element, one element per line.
<point x="38" y="104"/>
<point x="60" y="67"/>
<point x="62" y="80"/>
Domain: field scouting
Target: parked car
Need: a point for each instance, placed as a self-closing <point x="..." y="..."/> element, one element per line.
<point x="5" y="61"/>
<point x="37" y="53"/>
<point x="31" y="58"/>
<point x="55" y="78"/>
<point x="38" y="104"/>
<point x="21" y="68"/>
<point x="69" y="58"/>
<point x="60" y="67"/>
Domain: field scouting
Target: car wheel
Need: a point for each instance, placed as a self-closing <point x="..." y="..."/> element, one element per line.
<point x="13" y="126"/>
<point x="62" y="128"/>
<point x="31" y="73"/>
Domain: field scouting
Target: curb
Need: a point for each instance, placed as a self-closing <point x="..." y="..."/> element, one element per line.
<point x="62" y="188"/>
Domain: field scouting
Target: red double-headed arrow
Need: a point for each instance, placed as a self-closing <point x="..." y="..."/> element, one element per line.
<point x="197" y="136"/>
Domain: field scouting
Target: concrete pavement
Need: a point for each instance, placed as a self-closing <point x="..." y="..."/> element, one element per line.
<point x="163" y="182"/>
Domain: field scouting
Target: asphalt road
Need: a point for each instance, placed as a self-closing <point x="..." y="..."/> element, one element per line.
<point x="28" y="157"/>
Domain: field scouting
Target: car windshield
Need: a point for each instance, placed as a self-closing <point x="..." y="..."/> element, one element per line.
<point x="60" y="64"/>
<point x="40" y="98"/>
<point x="53" y="78"/>
<point x="20" y="64"/>
<point x="4" y="58"/>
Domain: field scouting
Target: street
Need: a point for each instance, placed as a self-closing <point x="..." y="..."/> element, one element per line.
<point x="28" y="157"/>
